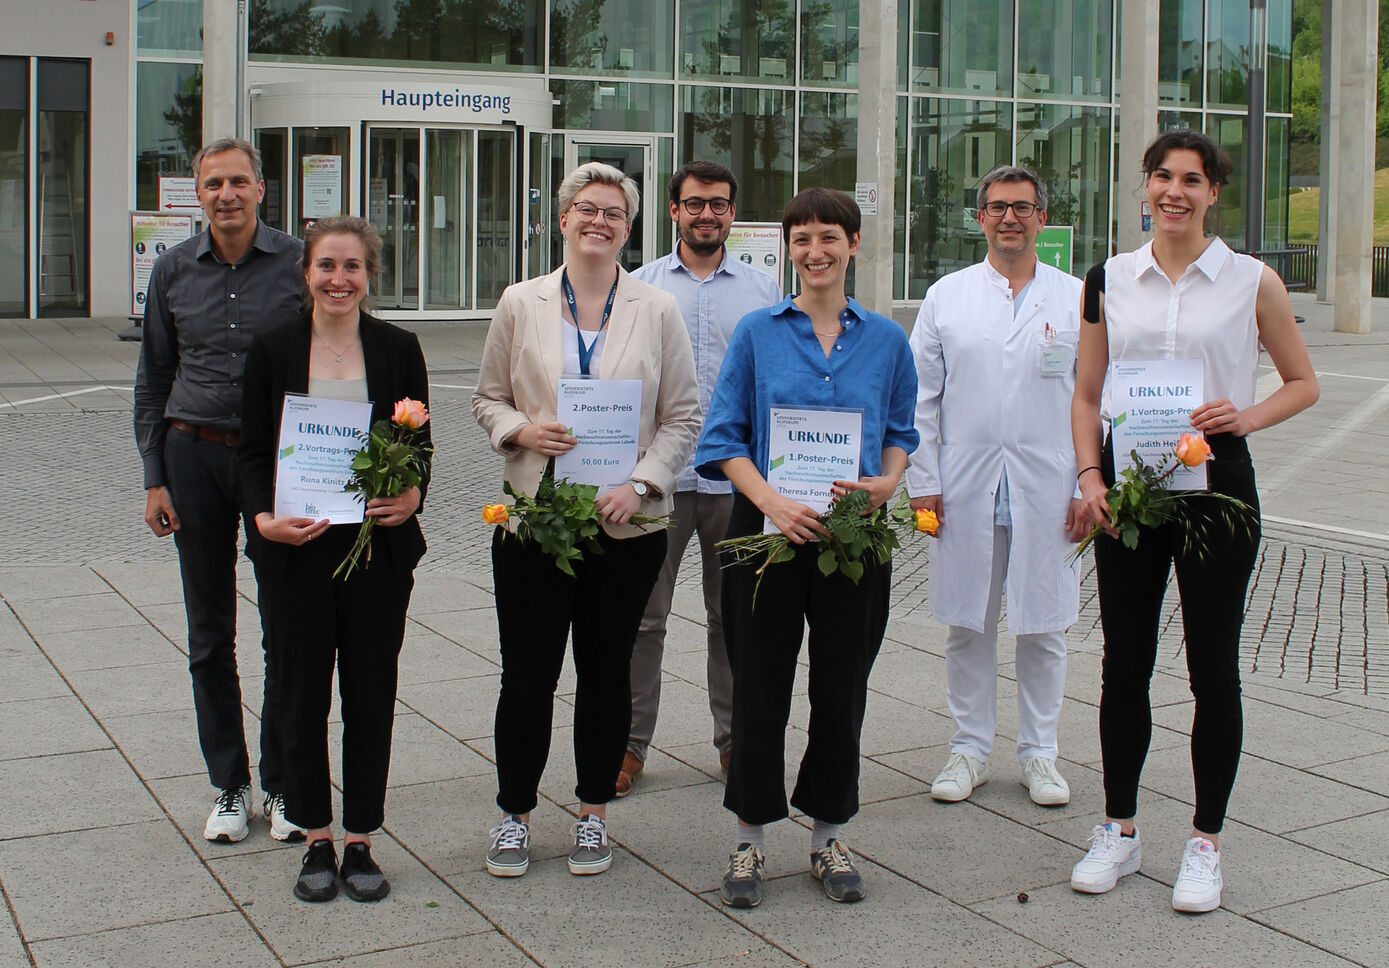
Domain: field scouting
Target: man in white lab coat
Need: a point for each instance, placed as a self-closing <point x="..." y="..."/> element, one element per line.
<point x="995" y="348"/>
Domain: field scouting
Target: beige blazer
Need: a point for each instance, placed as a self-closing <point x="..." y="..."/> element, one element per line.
<point x="523" y="360"/>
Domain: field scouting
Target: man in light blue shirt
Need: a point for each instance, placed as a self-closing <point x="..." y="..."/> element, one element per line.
<point x="714" y="290"/>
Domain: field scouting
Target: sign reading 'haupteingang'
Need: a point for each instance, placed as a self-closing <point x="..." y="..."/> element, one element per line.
<point x="457" y="100"/>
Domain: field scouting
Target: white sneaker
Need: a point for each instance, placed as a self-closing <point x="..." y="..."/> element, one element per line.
<point x="1199" y="883"/>
<point x="1110" y="857"/>
<point x="280" y="828"/>
<point x="961" y="775"/>
<point x="1044" y="785"/>
<point x="231" y="815"/>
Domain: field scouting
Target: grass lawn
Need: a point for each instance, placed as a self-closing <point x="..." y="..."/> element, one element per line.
<point x="1302" y="212"/>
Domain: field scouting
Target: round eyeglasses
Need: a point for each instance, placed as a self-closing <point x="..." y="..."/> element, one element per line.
<point x="591" y="212"/>
<point x="719" y="206"/>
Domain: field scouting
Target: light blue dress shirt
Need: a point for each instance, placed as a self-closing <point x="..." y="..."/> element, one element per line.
<point x="775" y="360"/>
<point x="711" y="308"/>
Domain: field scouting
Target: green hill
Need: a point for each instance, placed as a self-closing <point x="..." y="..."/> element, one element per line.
<point x="1302" y="212"/>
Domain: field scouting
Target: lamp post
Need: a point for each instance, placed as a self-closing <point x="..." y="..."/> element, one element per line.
<point x="1254" y="150"/>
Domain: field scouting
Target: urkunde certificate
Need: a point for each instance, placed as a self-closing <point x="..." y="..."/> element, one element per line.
<point x="1152" y="402"/>
<point x="808" y="450"/>
<point x="606" y="417"/>
<point x="318" y="439"/>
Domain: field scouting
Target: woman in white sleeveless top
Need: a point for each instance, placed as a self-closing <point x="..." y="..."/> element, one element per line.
<point x="1183" y="296"/>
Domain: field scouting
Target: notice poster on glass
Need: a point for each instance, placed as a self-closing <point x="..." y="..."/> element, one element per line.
<point x="322" y="177"/>
<point x="1151" y="402"/>
<point x="318" y="439"/>
<point x="606" y="417"/>
<point x="151" y="235"/>
<point x="808" y="450"/>
<point x="759" y="245"/>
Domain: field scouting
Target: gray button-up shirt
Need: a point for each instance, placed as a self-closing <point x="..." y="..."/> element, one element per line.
<point x="200" y="315"/>
<point x="712" y="308"/>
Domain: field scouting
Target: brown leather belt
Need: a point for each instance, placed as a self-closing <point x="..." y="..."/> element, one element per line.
<point x="232" y="438"/>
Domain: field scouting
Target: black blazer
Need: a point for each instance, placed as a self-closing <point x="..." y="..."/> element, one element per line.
<point x="278" y="363"/>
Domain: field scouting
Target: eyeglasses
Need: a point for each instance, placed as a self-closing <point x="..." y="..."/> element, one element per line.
<point x="719" y="206"/>
<point x="1020" y="209"/>
<point x="590" y="212"/>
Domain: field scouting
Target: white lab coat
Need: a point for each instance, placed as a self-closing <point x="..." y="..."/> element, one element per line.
<point x="983" y="405"/>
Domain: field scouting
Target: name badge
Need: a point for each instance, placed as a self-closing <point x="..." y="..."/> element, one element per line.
<point x="1058" y="355"/>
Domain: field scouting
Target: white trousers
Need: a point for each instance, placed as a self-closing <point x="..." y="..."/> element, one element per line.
<point x="971" y="677"/>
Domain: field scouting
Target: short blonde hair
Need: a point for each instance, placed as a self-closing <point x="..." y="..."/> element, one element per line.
<point x="597" y="172"/>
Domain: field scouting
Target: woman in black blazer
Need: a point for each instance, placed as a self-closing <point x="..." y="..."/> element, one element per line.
<point x="314" y="620"/>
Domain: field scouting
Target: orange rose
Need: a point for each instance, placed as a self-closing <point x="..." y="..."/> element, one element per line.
<point x="495" y="513"/>
<point x="410" y="413"/>
<point x="1192" y="450"/>
<point x="927" y="521"/>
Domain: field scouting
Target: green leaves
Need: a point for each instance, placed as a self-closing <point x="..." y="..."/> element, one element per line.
<point x="564" y="520"/>
<point x="388" y="463"/>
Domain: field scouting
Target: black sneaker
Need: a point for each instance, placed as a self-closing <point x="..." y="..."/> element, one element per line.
<point x="742" y="883"/>
<point x="361" y="877"/>
<point x="833" y="866"/>
<point x="318" y="878"/>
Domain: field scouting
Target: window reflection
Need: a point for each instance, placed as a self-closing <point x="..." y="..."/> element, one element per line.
<point x="751" y="131"/>
<point x="1227" y="53"/>
<point x="1064" y="48"/>
<point x="169" y="26"/>
<point x="953" y="145"/>
<point x="496" y="34"/>
<point x="630" y="37"/>
<point x="963" y="46"/>
<point x="168" y="125"/>
<point x="1179" y="51"/>
<point x="737" y="38"/>
<point x="1069" y="149"/>
<point x="613" y="105"/>
<point x="829" y="42"/>
<point x="829" y="141"/>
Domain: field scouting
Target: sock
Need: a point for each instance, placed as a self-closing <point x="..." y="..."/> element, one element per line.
<point x="752" y="834"/>
<point x="823" y="834"/>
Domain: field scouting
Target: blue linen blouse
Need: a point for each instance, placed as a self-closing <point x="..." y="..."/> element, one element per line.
<point x="775" y="360"/>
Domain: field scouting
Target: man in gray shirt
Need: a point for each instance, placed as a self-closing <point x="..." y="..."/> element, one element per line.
<point x="207" y="297"/>
<point x="714" y="291"/>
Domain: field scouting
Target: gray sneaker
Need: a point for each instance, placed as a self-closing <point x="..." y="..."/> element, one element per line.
<point x="742" y="882"/>
<point x="510" y="854"/>
<point x="833" y="866"/>
<point x="590" y="853"/>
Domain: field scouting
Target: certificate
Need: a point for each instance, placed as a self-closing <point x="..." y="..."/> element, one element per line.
<point x="606" y="417"/>
<point x="809" y="449"/>
<point x="318" y="439"/>
<point x="1152" y="402"/>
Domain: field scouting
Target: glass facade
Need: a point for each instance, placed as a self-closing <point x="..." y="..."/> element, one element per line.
<point x="14" y="185"/>
<point x="63" y="100"/>
<point x="768" y="86"/>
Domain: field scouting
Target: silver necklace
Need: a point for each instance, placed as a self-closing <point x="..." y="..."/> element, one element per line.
<point x="338" y="353"/>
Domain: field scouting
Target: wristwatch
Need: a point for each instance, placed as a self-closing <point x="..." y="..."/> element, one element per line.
<point x="641" y="487"/>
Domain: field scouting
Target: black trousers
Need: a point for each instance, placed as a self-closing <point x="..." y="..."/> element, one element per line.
<point x="316" y="622"/>
<point x="1212" y="583"/>
<point x="202" y="485"/>
<point x="537" y="605"/>
<point x="847" y="623"/>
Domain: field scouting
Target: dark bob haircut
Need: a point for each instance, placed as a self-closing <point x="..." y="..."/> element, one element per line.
<point x="1215" y="162"/>
<point x="703" y="171"/>
<point x="822" y="205"/>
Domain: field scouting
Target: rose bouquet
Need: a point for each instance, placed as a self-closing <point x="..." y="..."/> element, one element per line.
<point x="1140" y="498"/>
<point x="389" y="462"/>
<point x="562" y="518"/>
<point x="856" y="528"/>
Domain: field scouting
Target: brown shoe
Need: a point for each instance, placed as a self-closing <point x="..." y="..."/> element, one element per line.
<point x="631" y="769"/>
<point x="725" y="758"/>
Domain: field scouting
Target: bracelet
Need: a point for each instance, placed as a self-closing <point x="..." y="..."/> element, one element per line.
<point x="1092" y="467"/>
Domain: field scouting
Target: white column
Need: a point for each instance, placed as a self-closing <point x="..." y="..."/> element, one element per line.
<point x="877" y="149"/>
<point x="219" y="69"/>
<point x="1138" y="108"/>
<point x="1350" y="42"/>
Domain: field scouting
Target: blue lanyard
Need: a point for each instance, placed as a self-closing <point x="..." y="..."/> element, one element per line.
<point x="585" y="352"/>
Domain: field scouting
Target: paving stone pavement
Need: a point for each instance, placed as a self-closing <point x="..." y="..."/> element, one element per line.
<point x="104" y="794"/>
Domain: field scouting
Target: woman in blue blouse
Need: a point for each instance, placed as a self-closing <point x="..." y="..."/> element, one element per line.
<point x="818" y="349"/>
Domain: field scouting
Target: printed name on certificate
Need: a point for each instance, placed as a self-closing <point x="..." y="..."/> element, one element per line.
<point x="808" y="450"/>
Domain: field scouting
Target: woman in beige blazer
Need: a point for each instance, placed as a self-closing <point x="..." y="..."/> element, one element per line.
<point x="588" y="317"/>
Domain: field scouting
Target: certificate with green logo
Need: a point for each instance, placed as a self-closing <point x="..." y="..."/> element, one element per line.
<point x="318" y="439"/>
<point x="1151" y="402"/>
<point x="809" y="449"/>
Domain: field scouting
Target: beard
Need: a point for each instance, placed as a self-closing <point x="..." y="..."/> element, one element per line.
<point x="698" y="246"/>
